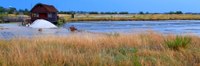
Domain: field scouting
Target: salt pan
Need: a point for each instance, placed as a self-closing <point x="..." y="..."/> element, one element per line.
<point x="41" y="23"/>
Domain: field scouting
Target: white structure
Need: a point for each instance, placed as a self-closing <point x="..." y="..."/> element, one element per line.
<point x="41" y="23"/>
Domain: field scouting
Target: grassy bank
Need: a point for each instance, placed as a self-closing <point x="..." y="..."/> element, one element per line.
<point x="114" y="17"/>
<point x="150" y="49"/>
<point x="129" y="17"/>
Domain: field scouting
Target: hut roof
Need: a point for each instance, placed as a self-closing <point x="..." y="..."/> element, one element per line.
<point x="43" y="8"/>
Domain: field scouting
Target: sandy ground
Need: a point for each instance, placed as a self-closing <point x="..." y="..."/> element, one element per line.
<point x="12" y="30"/>
<point x="15" y="30"/>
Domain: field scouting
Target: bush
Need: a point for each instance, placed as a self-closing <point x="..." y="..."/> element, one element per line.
<point x="176" y="12"/>
<point x="60" y="21"/>
<point x="1" y="21"/>
<point x="93" y="13"/>
<point x="141" y="12"/>
<point x="108" y="13"/>
<point x="1" y="17"/>
<point x="123" y="13"/>
<point x="178" y="42"/>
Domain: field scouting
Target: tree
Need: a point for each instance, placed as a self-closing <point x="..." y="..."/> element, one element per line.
<point x="179" y="12"/>
<point x="109" y="13"/>
<point x="20" y="10"/>
<point x="26" y="12"/>
<point x="147" y="13"/>
<point x="2" y="9"/>
<point x="12" y="10"/>
<point x="171" y="12"/>
<point x="93" y="13"/>
<point x="176" y="12"/>
<point x="123" y="13"/>
<point x="141" y="12"/>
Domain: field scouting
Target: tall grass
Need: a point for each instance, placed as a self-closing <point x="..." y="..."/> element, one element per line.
<point x="147" y="49"/>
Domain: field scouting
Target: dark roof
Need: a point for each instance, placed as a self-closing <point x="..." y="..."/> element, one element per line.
<point x="43" y="8"/>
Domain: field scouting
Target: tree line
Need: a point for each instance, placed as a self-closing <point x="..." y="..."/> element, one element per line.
<point x="13" y="10"/>
<point x="141" y="12"/>
<point x="91" y="12"/>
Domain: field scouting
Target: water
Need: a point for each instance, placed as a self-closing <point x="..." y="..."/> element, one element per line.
<point x="8" y="31"/>
<point x="166" y="27"/>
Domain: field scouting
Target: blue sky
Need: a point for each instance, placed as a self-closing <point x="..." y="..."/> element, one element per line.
<point x="111" y="5"/>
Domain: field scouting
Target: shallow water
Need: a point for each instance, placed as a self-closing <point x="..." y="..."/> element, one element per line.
<point x="8" y="31"/>
<point x="166" y="27"/>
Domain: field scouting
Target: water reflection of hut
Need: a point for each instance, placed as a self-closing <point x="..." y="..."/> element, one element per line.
<point x="44" y="11"/>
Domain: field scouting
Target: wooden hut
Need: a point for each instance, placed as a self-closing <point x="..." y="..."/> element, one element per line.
<point x="44" y="11"/>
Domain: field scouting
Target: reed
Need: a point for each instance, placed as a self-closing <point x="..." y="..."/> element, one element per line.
<point x="146" y="49"/>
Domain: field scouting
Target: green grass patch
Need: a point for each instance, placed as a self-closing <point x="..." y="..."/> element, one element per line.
<point x="60" y="22"/>
<point x="178" y="42"/>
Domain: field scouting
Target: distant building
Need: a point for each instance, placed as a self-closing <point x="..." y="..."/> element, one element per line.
<point x="44" y="11"/>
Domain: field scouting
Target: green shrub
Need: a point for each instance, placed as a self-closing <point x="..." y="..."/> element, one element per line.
<point x="178" y="42"/>
<point x="60" y="21"/>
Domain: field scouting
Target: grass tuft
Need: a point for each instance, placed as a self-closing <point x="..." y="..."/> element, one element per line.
<point x="178" y="42"/>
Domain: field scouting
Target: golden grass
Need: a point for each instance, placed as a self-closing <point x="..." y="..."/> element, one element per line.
<point x="129" y="17"/>
<point x="147" y="49"/>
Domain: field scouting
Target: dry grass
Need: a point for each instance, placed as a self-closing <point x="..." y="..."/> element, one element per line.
<point x="129" y="17"/>
<point x="147" y="49"/>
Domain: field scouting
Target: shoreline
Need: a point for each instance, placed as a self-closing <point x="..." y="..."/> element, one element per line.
<point x="131" y="20"/>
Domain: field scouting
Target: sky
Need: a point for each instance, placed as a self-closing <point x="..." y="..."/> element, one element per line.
<point x="111" y="5"/>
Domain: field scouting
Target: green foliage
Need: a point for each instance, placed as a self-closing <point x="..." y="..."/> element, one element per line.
<point x="136" y="61"/>
<point x="93" y="12"/>
<point x="123" y="13"/>
<point x="176" y="12"/>
<point x="12" y="10"/>
<point x="2" y="9"/>
<point x="60" y="21"/>
<point x="68" y="12"/>
<point x="179" y="12"/>
<point x="141" y="12"/>
<point x="132" y="52"/>
<point x="72" y="15"/>
<point x="178" y="42"/>
<point x="25" y="11"/>
<point x="1" y="17"/>
<point x="108" y="13"/>
<point x="126" y="53"/>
